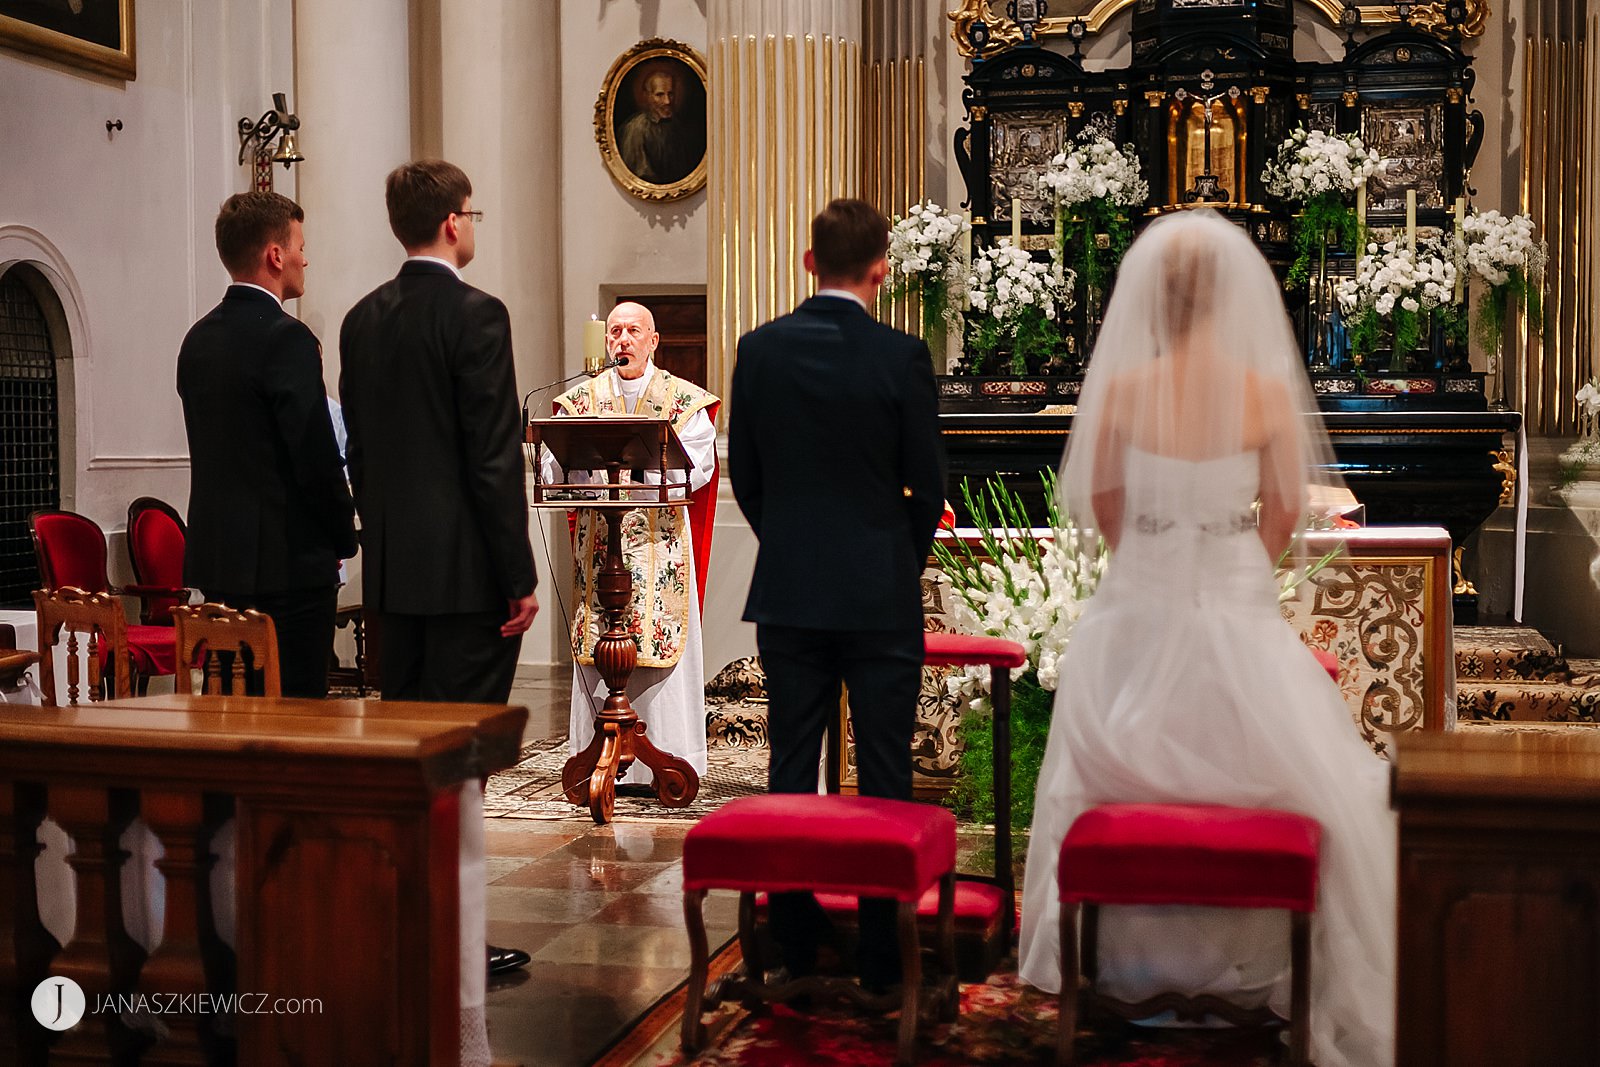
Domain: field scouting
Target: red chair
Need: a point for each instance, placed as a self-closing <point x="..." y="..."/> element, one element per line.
<point x="849" y="846"/>
<point x="1186" y="854"/>
<point x="71" y="552"/>
<point x="156" y="540"/>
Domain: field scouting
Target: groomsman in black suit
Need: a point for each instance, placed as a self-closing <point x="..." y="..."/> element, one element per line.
<point x="270" y="515"/>
<point x="434" y="447"/>
<point x="833" y="449"/>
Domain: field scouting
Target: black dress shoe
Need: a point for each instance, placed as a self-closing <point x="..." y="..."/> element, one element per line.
<point x="506" y="960"/>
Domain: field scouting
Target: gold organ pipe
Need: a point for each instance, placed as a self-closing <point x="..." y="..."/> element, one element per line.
<point x="827" y="119"/>
<point x="733" y="180"/>
<point x="752" y="108"/>
<point x="770" y="207"/>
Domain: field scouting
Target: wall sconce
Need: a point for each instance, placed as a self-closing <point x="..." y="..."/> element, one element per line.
<point x="255" y="141"/>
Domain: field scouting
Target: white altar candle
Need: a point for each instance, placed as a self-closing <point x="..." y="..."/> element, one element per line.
<point x="1411" y="219"/>
<point x="1461" y="271"/>
<point x="1361" y="207"/>
<point x="1016" y="222"/>
<point x="594" y="345"/>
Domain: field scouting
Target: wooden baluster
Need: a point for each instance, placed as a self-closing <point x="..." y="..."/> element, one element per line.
<point x="221" y="967"/>
<point x="25" y="945"/>
<point x="101" y="957"/>
<point x="236" y="686"/>
<point x="72" y="666"/>
<point x="176" y="966"/>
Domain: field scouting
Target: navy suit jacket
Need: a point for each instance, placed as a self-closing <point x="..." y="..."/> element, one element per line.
<point x="269" y="510"/>
<point x="834" y="455"/>
<point x="430" y="406"/>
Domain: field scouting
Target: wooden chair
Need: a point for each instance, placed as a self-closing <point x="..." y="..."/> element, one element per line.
<point x="206" y="632"/>
<point x="99" y="617"/>
<point x="71" y="553"/>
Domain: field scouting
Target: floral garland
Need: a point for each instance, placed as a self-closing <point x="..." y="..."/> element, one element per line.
<point x="1320" y="171"/>
<point x="1399" y="285"/>
<point x="924" y="259"/>
<point x="1500" y="250"/>
<point x="1016" y="298"/>
<point x="1093" y="184"/>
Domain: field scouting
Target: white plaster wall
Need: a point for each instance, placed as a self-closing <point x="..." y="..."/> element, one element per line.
<point x="124" y="220"/>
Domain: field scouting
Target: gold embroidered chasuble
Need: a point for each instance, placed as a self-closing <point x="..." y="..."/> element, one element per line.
<point x="653" y="539"/>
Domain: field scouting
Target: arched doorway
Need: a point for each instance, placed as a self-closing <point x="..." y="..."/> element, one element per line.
<point x="30" y="453"/>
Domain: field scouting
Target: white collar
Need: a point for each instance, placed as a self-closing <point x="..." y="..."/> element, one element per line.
<point x="262" y="289"/>
<point x="635" y="388"/>
<point x="442" y="262"/>
<point x="845" y="294"/>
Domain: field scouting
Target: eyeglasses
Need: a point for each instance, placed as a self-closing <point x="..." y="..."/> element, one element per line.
<point x="476" y="216"/>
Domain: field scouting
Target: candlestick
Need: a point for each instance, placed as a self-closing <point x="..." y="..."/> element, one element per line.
<point x="966" y="259"/>
<point x="594" y="346"/>
<point x="1016" y="222"/>
<point x="1361" y="209"/>
<point x="1411" y="220"/>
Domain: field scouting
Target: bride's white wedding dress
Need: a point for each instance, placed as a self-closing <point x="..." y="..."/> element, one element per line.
<point x="1183" y="684"/>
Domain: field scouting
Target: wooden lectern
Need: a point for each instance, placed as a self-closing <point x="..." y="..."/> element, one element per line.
<point x="614" y="444"/>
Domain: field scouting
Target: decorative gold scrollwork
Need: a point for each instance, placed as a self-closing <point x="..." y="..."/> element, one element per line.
<point x="1462" y="586"/>
<point x="1003" y="33"/>
<point x="1505" y="463"/>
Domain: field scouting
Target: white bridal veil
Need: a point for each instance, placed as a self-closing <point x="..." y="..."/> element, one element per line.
<point x="1196" y="360"/>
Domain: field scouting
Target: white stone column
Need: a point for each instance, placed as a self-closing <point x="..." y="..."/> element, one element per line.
<point x="353" y="95"/>
<point x="783" y="128"/>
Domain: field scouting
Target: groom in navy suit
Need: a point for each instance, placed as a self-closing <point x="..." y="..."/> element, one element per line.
<point x="833" y="450"/>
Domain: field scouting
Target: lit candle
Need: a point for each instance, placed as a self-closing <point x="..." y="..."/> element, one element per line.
<point x="1016" y="222"/>
<point x="1461" y="225"/>
<point x="594" y="345"/>
<point x="966" y="239"/>
<point x="1411" y="219"/>
<point x="1361" y="208"/>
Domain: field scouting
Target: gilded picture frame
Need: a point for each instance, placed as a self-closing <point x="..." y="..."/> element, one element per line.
<point x="93" y="35"/>
<point x="650" y="120"/>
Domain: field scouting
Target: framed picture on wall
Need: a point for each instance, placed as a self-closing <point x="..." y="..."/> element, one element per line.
<point x="95" y="35"/>
<point x="650" y="120"/>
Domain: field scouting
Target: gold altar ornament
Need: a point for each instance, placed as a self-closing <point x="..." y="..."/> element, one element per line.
<point x="1000" y="33"/>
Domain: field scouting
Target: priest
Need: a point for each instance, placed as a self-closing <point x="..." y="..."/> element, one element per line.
<point x="665" y="550"/>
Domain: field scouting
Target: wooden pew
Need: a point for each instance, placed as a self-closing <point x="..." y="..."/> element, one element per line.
<point x="346" y="871"/>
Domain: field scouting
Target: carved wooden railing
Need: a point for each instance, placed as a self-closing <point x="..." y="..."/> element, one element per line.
<point x="346" y="875"/>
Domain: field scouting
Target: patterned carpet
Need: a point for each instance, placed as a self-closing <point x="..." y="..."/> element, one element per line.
<point x="1514" y="674"/>
<point x="532" y="789"/>
<point x="1001" y="1022"/>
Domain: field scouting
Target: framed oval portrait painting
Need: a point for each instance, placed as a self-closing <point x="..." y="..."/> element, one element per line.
<point x="650" y="120"/>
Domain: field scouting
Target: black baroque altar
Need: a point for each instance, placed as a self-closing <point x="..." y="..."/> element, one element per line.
<point x="1211" y="91"/>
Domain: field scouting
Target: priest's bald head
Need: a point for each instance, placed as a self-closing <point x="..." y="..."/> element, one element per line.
<point x="631" y="337"/>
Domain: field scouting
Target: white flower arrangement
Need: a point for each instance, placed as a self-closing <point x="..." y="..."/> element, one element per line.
<point x="1016" y="300"/>
<point x="1400" y="285"/>
<point x="1499" y="244"/>
<point x="1588" y="397"/>
<point x="925" y="258"/>
<point x="1096" y="170"/>
<point x="1313" y="163"/>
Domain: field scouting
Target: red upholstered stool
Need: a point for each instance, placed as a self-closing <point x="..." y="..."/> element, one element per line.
<point x="987" y="904"/>
<point x="1187" y="854"/>
<point x="859" y="846"/>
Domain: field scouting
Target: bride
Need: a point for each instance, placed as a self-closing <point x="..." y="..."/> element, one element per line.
<point x="1194" y="448"/>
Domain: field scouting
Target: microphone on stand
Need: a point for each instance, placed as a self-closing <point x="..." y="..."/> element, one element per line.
<point x="593" y="372"/>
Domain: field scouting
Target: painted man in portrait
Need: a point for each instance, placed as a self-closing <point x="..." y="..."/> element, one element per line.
<point x="658" y="144"/>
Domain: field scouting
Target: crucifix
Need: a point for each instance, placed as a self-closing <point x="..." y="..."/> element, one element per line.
<point x="1206" y="189"/>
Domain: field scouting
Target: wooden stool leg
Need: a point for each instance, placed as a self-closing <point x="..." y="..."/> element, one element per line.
<point x="699" y="963"/>
<point x="1067" y="1028"/>
<point x="950" y="1009"/>
<point x="910" y="982"/>
<point x="1299" y="989"/>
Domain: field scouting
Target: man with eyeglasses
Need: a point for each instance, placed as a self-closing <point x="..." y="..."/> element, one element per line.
<point x="666" y="549"/>
<point x="435" y="459"/>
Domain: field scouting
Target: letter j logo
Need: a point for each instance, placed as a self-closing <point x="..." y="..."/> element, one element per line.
<point x="58" y="1003"/>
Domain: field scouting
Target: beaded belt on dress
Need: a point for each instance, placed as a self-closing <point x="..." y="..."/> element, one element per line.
<point x="1241" y="522"/>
